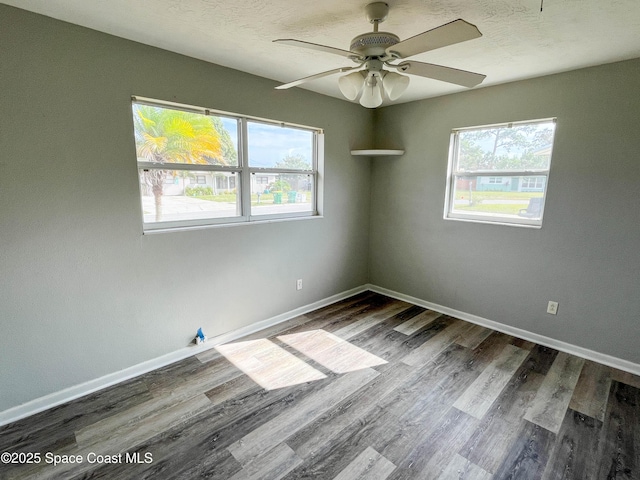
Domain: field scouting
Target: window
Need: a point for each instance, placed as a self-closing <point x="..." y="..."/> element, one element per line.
<point x="499" y="173"/>
<point x="533" y="183"/>
<point x="289" y="187"/>
<point x="200" y="167"/>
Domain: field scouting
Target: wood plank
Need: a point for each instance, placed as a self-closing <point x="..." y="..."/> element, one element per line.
<point x="192" y="378"/>
<point x="528" y="456"/>
<point x="425" y="410"/>
<point x="284" y="425"/>
<point x="436" y="345"/>
<point x="620" y="454"/>
<point x="337" y="319"/>
<point x="574" y="454"/>
<point x="331" y="351"/>
<point x="479" y="397"/>
<point x="459" y="468"/>
<point x="430" y="454"/>
<point x="348" y="305"/>
<point x="400" y="418"/>
<point x="208" y="355"/>
<point x="404" y="414"/>
<point x="541" y="359"/>
<point x="392" y="346"/>
<point x="625" y="377"/>
<point x="488" y="351"/>
<point x="362" y="325"/>
<point x="213" y="354"/>
<point x="368" y="465"/>
<point x="330" y="427"/>
<point x="172" y="460"/>
<point x="269" y="365"/>
<point x="474" y="337"/>
<point x="108" y="438"/>
<point x="500" y="426"/>
<point x="272" y="465"/>
<point x="592" y="390"/>
<point x="523" y="344"/>
<point x="54" y="429"/>
<point x="414" y="324"/>
<point x="237" y="387"/>
<point x="198" y="449"/>
<point x="231" y="420"/>
<point x="551" y="402"/>
<point x="126" y="430"/>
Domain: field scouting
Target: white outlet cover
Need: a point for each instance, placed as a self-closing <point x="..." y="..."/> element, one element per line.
<point x="552" y="308"/>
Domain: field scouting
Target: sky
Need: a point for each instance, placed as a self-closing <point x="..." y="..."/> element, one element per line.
<point x="269" y="144"/>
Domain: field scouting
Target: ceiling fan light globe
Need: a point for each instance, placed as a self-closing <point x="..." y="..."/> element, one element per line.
<point x="371" y="95"/>
<point x="351" y="85"/>
<point x="395" y="85"/>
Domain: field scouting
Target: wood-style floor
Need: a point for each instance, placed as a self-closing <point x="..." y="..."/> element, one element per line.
<point x="369" y="387"/>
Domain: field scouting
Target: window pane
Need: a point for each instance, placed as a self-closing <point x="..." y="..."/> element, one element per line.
<point x="506" y="197"/>
<point x="169" y="195"/>
<point x="519" y="147"/>
<point x="284" y="193"/>
<point x="273" y="146"/>
<point x="166" y="135"/>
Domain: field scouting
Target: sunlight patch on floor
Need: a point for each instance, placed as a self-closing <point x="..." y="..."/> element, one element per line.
<point x="269" y="365"/>
<point x="330" y="351"/>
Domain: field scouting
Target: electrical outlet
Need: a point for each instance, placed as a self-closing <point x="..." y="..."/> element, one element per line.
<point x="552" y="308"/>
<point x="299" y="284"/>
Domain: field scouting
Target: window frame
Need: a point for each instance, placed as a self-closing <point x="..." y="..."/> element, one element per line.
<point x="243" y="171"/>
<point x="453" y="174"/>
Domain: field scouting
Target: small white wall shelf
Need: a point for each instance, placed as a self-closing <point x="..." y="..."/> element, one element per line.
<point x="377" y="152"/>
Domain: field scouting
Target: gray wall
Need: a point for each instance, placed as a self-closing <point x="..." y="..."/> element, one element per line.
<point x="587" y="254"/>
<point x="82" y="292"/>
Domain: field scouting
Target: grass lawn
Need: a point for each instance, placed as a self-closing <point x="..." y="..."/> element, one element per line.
<point x="222" y="197"/>
<point x="265" y="198"/>
<point x="484" y="201"/>
<point x="509" y="209"/>
<point x="479" y="196"/>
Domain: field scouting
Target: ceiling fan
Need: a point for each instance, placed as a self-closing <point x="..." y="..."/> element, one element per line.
<point x="375" y="50"/>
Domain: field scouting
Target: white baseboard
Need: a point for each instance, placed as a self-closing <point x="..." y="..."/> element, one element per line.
<point x="582" y="352"/>
<point x="68" y="394"/>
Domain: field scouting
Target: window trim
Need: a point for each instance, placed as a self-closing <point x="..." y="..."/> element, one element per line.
<point x="243" y="171"/>
<point x="477" y="217"/>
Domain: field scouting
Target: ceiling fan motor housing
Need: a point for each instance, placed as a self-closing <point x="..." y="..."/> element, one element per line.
<point x="373" y="44"/>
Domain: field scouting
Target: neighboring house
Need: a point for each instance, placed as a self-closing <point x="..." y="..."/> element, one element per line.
<point x="219" y="183"/>
<point x="510" y="184"/>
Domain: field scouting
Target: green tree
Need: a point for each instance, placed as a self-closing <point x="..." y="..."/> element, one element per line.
<point x="504" y="148"/>
<point x="228" y="146"/>
<point x="294" y="162"/>
<point x="171" y="136"/>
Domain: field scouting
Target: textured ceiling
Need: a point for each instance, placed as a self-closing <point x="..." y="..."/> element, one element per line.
<point x="518" y="40"/>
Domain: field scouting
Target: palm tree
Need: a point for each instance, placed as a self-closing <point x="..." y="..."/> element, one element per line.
<point x="169" y="136"/>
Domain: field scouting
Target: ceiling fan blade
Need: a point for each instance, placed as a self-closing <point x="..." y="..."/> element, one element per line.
<point x="314" y="77"/>
<point x="447" y="34"/>
<point x="444" y="74"/>
<point x="315" y="46"/>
